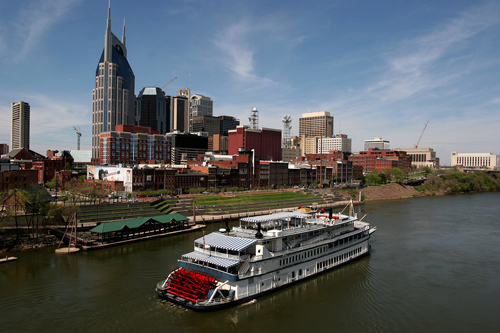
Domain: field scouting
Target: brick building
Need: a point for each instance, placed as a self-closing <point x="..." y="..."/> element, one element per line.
<point x="130" y="144"/>
<point x="266" y="143"/>
<point x="10" y="180"/>
<point x="400" y="159"/>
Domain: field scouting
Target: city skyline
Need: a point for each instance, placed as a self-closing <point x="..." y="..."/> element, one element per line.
<point x="380" y="69"/>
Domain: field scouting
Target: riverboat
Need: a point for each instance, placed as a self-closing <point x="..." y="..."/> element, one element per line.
<point x="263" y="254"/>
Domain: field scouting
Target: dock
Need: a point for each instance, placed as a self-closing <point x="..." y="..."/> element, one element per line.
<point x="7" y="259"/>
<point x="87" y="247"/>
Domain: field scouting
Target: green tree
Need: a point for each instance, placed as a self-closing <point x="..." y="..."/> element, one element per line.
<point x="426" y="170"/>
<point x="373" y="178"/>
<point x="399" y="175"/>
<point x="389" y="174"/>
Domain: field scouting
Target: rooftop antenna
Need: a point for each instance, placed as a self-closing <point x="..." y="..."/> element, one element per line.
<point x="254" y="119"/>
<point x="287" y="127"/>
<point x="78" y="135"/>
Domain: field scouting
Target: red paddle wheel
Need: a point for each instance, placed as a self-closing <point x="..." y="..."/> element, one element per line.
<point x="190" y="285"/>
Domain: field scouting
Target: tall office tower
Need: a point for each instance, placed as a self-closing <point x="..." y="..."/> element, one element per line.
<point x="153" y="110"/>
<point x="179" y="114"/>
<point x="199" y="106"/>
<point x="113" y="96"/>
<point x="20" y="128"/>
<point x="316" y="124"/>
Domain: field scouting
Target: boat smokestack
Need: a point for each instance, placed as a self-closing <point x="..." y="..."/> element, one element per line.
<point x="259" y="234"/>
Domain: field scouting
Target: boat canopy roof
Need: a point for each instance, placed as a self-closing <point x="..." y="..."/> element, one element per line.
<point x="221" y="241"/>
<point x="222" y="262"/>
<point x="274" y="217"/>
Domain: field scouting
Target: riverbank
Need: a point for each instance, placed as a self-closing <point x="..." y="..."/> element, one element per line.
<point x="10" y="243"/>
<point x="391" y="192"/>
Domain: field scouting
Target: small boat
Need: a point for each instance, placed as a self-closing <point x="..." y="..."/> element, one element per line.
<point x="263" y="254"/>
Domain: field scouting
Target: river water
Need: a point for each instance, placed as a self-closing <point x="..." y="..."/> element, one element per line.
<point x="434" y="267"/>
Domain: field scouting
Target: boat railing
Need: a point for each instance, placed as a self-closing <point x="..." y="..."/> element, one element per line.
<point x="218" y="300"/>
<point x="161" y="285"/>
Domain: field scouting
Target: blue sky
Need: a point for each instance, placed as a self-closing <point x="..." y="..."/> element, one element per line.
<point x="381" y="68"/>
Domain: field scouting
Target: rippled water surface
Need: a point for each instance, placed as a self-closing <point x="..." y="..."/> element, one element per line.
<point x="434" y="267"/>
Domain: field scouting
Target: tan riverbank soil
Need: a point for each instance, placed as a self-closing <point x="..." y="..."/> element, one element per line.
<point x="390" y="192"/>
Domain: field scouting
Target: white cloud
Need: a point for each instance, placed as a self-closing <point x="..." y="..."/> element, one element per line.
<point x="37" y="19"/>
<point x="239" y="45"/>
<point x="424" y="63"/>
<point x="49" y="114"/>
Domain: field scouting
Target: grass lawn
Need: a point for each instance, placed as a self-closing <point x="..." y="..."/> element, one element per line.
<point x="248" y="198"/>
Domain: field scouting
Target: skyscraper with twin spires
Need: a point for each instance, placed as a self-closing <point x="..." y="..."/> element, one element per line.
<point x="113" y="96"/>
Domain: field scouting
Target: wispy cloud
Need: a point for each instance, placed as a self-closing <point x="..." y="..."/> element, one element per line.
<point x="49" y="113"/>
<point x="38" y="18"/>
<point x="240" y="45"/>
<point x="239" y="56"/>
<point x="432" y="60"/>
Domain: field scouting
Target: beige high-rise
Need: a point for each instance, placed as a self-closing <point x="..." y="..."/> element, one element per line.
<point x="20" y="127"/>
<point x="316" y="124"/>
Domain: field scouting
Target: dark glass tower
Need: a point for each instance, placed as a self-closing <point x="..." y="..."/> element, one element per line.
<point x="113" y="96"/>
<point x="153" y="109"/>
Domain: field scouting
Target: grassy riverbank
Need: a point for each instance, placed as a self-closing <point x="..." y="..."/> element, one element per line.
<point x="222" y="199"/>
<point x="455" y="182"/>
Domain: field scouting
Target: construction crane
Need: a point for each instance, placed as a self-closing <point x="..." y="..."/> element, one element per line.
<point x="425" y="126"/>
<point x="169" y="82"/>
<point x="78" y="135"/>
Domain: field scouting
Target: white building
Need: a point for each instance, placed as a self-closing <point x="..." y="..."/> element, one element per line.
<point x="422" y="157"/>
<point x="378" y="143"/>
<point x="475" y="160"/>
<point x="340" y="142"/>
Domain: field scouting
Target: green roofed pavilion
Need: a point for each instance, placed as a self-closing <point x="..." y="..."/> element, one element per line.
<point x="138" y="222"/>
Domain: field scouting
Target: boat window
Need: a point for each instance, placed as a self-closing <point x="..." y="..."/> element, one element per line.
<point x="300" y="272"/>
<point x="293" y="274"/>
